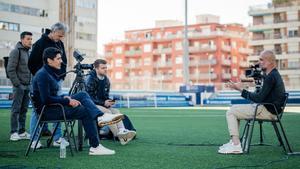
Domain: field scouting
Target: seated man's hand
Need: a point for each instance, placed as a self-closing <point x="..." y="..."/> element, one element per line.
<point x="108" y="103"/>
<point x="235" y="86"/>
<point x="74" y="103"/>
<point x="67" y="97"/>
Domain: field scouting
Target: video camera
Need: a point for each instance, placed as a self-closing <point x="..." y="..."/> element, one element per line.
<point x="257" y="74"/>
<point x="79" y="58"/>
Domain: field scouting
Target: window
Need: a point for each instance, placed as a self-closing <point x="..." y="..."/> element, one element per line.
<point x="147" y="48"/>
<point x="234" y="72"/>
<point x="85" y="36"/>
<point x="293" y="33"/>
<point x="178" y="72"/>
<point x="178" y="60"/>
<point x="86" y="4"/>
<point x="178" y="45"/>
<point x="118" y="75"/>
<point x="147" y="61"/>
<point x="9" y="26"/>
<point x="118" y="63"/>
<point x="23" y="10"/>
<point x="119" y="50"/>
<point x="234" y="59"/>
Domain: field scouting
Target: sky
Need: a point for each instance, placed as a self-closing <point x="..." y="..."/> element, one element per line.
<point x="117" y="16"/>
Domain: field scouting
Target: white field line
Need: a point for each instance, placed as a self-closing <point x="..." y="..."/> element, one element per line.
<point x="187" y="116"/>
<point x="293" y="109"/>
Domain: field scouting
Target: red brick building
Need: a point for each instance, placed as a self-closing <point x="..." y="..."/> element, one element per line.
<point x="152" y="59"/>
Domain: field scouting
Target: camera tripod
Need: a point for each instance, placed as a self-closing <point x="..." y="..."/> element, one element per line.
<point x="77" y="86"/>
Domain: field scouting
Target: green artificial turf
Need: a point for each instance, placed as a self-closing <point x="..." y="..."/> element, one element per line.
<point x="175" y="139"/>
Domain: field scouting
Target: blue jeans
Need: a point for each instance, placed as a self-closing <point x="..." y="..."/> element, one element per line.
<point x="87" y="112"/>
<point x="33" y="122"/>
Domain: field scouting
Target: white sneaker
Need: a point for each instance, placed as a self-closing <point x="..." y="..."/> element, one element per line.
<point x="226" y="144"/>
<point x="126" y="136"/>
<point x="101" y="150"/>
<point x="38" y="146"/>
<point x="24" y="136"/>
<point x="231" y="149"/>
<point x="57" y="142"/>
<point x="108" y="119"/>
<point x="14" y="137"/>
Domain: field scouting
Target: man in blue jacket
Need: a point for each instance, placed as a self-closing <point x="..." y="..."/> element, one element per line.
<point x="51" y="38"/>
<point x="79" y="106"/>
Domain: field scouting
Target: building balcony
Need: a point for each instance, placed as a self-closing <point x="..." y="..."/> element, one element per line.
<point x="162" y="77"/>
<point x="163" y="50"/>
<point x="226" y="48"/>
<point x="226" y="62"/>
<point x="108" y="54"/>
<point x="289" y="72"/>
<point x="133" y="52"/>
<point x="203" y="76"/>
<point x="226" y="76"/>
<point x="261" y="10"/>
<point x="272" y="25"/>
<point x="194" y="49"/>
<point x="272" y="40"/>
<point x="162" y="64"/>
<point x="133" y="65"/>
<point x="283" y="55"/>
<point x="245" y="50"/>
<point x="244" y="64"/>
<point x="203" y="62"/>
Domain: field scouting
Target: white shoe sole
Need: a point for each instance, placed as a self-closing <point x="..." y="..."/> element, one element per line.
<point x="113" y="121"/>
<point x="233" y="152"/>
<point x="96" y="154"/>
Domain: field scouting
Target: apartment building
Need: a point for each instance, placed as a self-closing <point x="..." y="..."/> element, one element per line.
<point x="152" y="59"/>
<point x="34" y="15"/>
<point x="86" y="29"/>
<point x="18" y="16"/>
<point x="276" y="27"/>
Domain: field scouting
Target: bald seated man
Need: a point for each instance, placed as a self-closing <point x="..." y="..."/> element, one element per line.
<point x="272" y="91"/>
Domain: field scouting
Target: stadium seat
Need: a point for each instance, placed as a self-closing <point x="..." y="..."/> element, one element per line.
<point x="41" y="122"/>
<point x="248" y="129"/>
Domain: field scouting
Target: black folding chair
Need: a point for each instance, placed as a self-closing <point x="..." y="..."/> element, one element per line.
<point x="41" y="122"/>
<point x="248" y="129"/>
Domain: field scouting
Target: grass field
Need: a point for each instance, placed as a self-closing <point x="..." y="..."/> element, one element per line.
<point x="163" y="139"/>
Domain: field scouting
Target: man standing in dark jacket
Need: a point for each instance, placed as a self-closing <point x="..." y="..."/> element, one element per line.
<point x="20" y="77"/>
<point x="78" y="106"/>
<point x="98" y="87"/>
<point x="51" y="38"/>
<point x="272" y="91"/>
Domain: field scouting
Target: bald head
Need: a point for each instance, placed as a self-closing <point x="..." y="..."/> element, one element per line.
<point x="267" y="61"/>
<point x="269" y="56"/>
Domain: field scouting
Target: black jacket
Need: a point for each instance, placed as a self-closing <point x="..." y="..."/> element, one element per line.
<point x="272" y="91"/>
<point x="45" y="87"/>
<point x="35" y="61"/>
<point x="97" y="89"/>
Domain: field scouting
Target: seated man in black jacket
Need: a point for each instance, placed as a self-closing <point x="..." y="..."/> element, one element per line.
<point x="79" y="106"/>
<point x="98" y="87"/>
<point x="272" y="91"/>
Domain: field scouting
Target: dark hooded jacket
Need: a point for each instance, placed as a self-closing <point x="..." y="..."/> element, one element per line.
<point x="97" y="89"/>
<point x="35" y="61"/>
